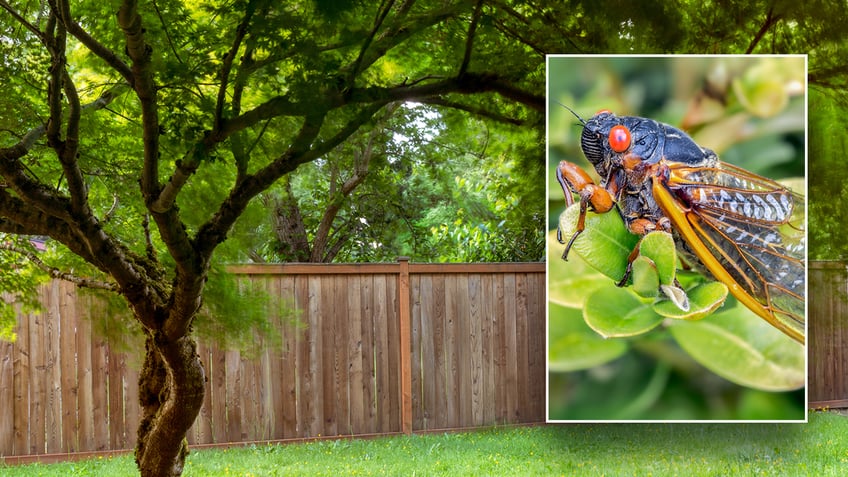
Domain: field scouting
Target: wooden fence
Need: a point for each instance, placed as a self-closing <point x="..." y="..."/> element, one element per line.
<point x="827" y="347"/>
<point x="379" y="348"/>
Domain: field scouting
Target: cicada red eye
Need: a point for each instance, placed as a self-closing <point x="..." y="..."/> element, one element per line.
<point x="619" y="138"/>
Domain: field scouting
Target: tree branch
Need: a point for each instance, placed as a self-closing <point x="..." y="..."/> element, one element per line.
<point x="16" y="176"/>
<point x="93" y="45"/>
<point x="55" y="42"/>
<point x="143" y="83"/>
<point x="241" y="32"/>
<point x="477" y="111"/>
<point x="381" y="17"/>
<point x="23" y="21"/>
<point x="469" y="41"/>
<point x="470" y="83"/>
<point x="69" y="149"/>
<point x="770" y="21"/>
<point x="395" y="34"/>
<point x="302" y="150"/>
<point x="416" y="90"/>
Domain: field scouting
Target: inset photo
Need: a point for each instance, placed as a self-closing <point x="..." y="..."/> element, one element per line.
<point x="677" y="238"/>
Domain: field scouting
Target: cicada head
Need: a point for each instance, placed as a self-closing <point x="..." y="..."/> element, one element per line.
<point x="607" y="137"/>
<point x="591" y="142"/>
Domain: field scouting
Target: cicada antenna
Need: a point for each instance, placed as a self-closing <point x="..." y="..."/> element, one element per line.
<point x="582" y="121"/>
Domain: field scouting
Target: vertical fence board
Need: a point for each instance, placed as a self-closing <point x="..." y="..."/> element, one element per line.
<point x="404" y="348"/>
<point x="273" y="396"/>
<point x="537" y="362"/>
<point x="202" y="429"/>
<point x="393" y="325"/>
<point x="131" y="405"/>
<point x="329" y="357"/>
<point x="416" y="352"/>
<point x="358" y="380"/>
<point x="475" y="357"/>
<point x="463" y="351"/>
<point x="344" y="362"/>
<point x="52" y="371"/>
<point x="85" y="374"/>
<point x="232" y="363"/>
<point x="369" y="353"/>
<point x="522" y="349"/>
<point x="488" y="320"/>
<point x="68" y="368"/>
<point x="115" y="399"/>
<point x="441" y="370"/>
<point x="252" y="422"/>
<point x="475" y="347"/>
<point x="428" y="385"/>
<point x="381" y="343"/>
<point x="313" y="379"/>
<point x="218" y="390"/>
<point x="22" y="351"/>
<point x="100" y="396"/>
<point x="451" y="358"/>
<point x="7" y="396"/>
<point x="510" y="348"/>
<point x="38" y="393"/>
<point x="302" y="368"/>
<point x="288" y="362"/>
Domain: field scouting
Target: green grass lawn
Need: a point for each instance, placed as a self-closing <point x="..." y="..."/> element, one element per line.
<point x="819" y="448"/>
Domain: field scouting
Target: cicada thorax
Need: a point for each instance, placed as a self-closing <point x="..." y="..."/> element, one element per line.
<point x="627" y="151"/>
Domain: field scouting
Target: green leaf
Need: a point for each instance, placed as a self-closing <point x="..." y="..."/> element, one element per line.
<point x="569" y="283"/>
<point x="659" y="247"/>
<point x="703" y="300"/>
<point x="617" y="312"/>
<point x="573" y="346"/>
<point x="605" y="242"/>
<point x="740" y="347"/>
<point x="646" y="278"/>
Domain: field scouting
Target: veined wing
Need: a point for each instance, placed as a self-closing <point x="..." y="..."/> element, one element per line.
<point x="747" y="231"/>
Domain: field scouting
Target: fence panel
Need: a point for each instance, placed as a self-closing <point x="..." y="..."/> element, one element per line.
<point x="474" y="341"/>
<point x="828" y="329"/>
<point x="477" y="338"/>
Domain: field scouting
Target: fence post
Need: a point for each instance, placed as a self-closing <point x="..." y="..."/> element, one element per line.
<point x="405" y="346"/>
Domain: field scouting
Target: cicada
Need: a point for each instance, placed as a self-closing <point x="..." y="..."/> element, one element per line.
<point x="743" y="229"/>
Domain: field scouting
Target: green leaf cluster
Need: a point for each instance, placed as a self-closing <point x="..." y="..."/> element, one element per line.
<point x="19" y="285"/>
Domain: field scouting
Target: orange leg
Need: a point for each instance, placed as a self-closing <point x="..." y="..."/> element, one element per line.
<point x="574" y="179"/>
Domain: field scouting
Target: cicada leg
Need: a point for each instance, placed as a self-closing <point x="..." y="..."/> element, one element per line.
<point x="641" y="227"/>
<point x="574" y="179"/>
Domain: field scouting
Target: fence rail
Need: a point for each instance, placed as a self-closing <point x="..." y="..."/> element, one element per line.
<point x="378" y="348"/>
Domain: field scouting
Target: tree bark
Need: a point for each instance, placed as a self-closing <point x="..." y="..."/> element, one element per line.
<point x="171" y="388"/>
<point x="289" y="226"/>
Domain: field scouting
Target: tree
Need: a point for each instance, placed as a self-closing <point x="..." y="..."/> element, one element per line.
<point x="119" y="136"/>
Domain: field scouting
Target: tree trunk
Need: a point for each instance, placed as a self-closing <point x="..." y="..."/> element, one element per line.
<point x="289" y="227"/>
<point x="171" y="387"/>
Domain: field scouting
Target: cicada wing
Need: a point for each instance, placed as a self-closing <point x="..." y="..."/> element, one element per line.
<point x="748" y="231"/>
